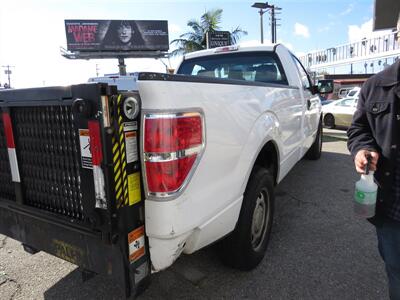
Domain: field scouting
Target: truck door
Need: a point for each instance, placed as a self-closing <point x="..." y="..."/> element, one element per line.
<point x="311" y="107"/>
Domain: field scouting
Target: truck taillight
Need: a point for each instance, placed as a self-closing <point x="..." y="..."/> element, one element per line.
<point x="172" y="134"/>
<point x="172" y="145"/>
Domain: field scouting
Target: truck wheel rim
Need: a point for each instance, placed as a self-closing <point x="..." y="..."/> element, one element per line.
<point x="259" y="221"/>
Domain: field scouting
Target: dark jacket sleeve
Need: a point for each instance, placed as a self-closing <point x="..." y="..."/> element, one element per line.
<point x="359" y="133"/>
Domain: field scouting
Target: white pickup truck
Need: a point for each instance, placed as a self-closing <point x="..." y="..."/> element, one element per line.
<point x="124" y="182"/>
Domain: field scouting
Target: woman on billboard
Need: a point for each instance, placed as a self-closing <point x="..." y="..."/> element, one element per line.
<point x="123" y="35"/>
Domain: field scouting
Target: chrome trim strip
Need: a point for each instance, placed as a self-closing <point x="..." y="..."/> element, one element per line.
<point x="171" y="115"/>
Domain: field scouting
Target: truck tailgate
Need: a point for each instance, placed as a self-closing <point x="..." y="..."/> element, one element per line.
<point x="70" y="181"/>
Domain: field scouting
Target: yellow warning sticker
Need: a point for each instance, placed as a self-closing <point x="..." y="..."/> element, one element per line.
<point x="134" y="188"/>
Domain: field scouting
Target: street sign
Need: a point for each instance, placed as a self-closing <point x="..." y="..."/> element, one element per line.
<point x="8" y="72"/>
<point x="218" y="39"/>
<point x="386" y="13"/>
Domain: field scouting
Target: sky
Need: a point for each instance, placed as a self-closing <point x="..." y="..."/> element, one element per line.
<point x="32" y="31"/>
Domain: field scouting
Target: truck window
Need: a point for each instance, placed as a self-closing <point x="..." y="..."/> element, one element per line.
<point x="248" y="66"/>
<point x="305" y="80"/>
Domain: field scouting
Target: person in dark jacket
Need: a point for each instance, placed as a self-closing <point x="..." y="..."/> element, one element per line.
<point x="374" y="133"/>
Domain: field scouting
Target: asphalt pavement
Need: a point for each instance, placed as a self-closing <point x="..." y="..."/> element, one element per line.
<point x="318" y="250"/>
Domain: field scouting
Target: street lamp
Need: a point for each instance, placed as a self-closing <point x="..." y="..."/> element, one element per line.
<point x="262" y="9"/>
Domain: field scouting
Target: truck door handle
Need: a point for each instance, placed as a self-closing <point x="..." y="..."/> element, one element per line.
<point x="308" y="104"/>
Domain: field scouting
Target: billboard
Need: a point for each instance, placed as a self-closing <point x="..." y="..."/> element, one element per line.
<point x="218" y="39"/>
<point x="116" y="35"/>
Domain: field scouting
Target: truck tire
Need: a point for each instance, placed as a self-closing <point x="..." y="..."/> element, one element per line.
<point x="245" y="247"/>
<point x="315" y="150"/>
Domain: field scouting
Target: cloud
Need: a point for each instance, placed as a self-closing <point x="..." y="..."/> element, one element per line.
<point x="301" y="30"/>
<point x="173" y="28"/>
<point x="348" y="10"/>
<point x="357" y="33"/>
<point x="327" y="27"/>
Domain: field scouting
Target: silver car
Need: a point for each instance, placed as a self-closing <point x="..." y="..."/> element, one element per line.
<point x="340" y="112"/>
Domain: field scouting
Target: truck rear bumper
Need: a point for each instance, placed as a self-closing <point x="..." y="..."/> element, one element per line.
<point x="164" y="252"/>
<point x="166" y="246"/>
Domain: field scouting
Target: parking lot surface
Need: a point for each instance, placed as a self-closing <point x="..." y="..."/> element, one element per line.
<point x="318" y="250"/>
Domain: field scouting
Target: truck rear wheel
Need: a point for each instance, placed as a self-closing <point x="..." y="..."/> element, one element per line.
<point x="315" y="150"/>
<point x="245" y="247"/>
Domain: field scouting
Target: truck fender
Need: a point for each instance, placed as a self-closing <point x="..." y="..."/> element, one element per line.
<point x="266" y="131"/>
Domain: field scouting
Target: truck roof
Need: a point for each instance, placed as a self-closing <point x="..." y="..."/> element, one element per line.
<point x="233" y="48"/>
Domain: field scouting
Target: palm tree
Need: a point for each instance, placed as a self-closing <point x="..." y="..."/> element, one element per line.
<point x="196" y="38"/>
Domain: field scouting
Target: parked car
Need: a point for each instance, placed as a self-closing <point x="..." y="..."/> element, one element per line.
<point x="342" y="93"/>
<point x="339" y="112"/>
<point x="325" y="102"/>
<point x="354" y="92"/>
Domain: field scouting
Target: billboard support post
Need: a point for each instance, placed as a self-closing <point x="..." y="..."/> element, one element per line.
<point x="121" y="66"/>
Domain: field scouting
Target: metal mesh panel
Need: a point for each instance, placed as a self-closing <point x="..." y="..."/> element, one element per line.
<point x="48" y="155"/>
<point x="6" y="186"/>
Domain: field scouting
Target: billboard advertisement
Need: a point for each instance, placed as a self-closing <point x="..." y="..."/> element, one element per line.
<point x="116" y="35"/>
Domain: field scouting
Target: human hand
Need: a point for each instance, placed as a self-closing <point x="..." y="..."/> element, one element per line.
<point x="361" y="160"/>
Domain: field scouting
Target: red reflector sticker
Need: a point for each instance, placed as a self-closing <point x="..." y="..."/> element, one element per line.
<point x="168" y="176"/>
<point x="95" y="142"/>
<point x="8" y="131"/>
<point x="12" y="154"/>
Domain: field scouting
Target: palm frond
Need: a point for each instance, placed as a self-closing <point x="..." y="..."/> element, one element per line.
<point x="211" y="19"/>
<point x="195" y="39"/>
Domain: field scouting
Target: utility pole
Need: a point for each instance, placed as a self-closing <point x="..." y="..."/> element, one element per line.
<point x="8" y="73"/>
<point x="273" y="9"/>
<point x="273" y="31"/>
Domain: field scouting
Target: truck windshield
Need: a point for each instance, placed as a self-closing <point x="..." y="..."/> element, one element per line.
<point x="249" y="66"/>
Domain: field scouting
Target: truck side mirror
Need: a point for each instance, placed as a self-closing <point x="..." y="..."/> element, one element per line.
<point x="313" y="89"/>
